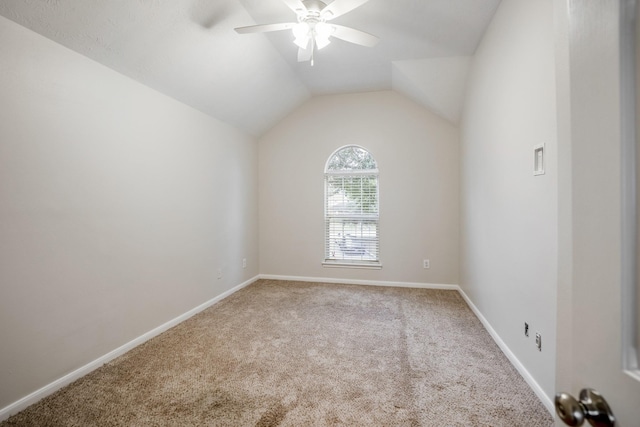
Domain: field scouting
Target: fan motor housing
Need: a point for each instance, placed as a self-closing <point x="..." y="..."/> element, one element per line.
<point x="313" y="7"/>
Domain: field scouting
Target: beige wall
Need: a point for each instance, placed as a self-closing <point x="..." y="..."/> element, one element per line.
<point x="417" y="155"/>
<point x="117" y="207"/>
<point x="509" y="217"/>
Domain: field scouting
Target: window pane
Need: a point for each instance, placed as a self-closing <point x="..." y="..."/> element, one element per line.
<point x="352" y="240"/>
<point x="351" y="158"/>
<point x="352" y="195"/>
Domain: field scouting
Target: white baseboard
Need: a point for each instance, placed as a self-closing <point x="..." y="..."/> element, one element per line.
<point x="546" y="400"/>
<point x="359" y="282"/>
<point x="84" y="370"/>
<point x="43" y="392"/>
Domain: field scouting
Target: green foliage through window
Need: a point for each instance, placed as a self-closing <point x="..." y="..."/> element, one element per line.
<point x="352" y="158"/>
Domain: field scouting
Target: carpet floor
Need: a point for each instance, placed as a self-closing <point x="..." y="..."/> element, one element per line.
<point x="301" y="354"/>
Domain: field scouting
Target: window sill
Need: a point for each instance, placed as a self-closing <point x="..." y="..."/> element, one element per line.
<point x="367" y="266"/>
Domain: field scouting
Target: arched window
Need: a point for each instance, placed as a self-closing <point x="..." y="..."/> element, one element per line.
<point x="351" y="208"/>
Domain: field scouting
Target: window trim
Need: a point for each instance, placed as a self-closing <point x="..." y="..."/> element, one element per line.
<point x="342" y="263"/>
<point x="360" y="265"/>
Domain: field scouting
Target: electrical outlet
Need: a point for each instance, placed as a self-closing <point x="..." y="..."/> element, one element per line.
<point x="539" y="341"/>
<point x="526" y="329"/>
<point x="244" y="263"/>
<point x="425" y="263"/>
<point x="219" y="273"/>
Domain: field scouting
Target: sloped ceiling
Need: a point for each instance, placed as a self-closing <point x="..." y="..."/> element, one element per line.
<point x="188" y="50"/>
<point x="437" y="83"/>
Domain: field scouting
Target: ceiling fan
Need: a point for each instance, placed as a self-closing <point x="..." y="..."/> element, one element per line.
<point x="313" y="31"/>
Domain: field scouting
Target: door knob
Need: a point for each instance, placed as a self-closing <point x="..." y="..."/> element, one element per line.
<point x="591" y="407"/>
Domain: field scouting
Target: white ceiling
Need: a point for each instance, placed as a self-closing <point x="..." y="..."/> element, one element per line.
<point x="188" y="50"/>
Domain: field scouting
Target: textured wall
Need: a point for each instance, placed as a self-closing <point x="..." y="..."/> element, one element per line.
<point x="117" y="207"/>
<point x="509" y="216"/>
<point x="417" y="155"/>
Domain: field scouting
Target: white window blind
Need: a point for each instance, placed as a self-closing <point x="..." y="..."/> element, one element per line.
<point x="351" y="208"/>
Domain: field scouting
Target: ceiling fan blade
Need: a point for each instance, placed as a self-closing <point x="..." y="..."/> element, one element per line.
<point x="265" y="28"/>
<point x="340" y="7"/>
<point x="295" y="5"/>
<point x="304" y="55"/>
<point x="352" y="35"/>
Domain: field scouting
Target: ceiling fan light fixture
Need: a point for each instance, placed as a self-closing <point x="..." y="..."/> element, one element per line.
<point x="302" y="42"/>
<point x="322" y="42"/>
<point x="301" y="30"/>
<point x="301" y="33"/>
<point x="324" y="30"/>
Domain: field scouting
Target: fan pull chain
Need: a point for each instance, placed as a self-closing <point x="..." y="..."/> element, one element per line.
<point x="313" y="49"/>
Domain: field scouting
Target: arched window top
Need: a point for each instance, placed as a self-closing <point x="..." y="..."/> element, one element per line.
<point x="351" y="158"/>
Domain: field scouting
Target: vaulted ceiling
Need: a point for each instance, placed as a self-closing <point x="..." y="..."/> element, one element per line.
<point x="188" y="49"/>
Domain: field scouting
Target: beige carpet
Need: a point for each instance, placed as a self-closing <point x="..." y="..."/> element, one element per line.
<point x="297" y="354"/>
